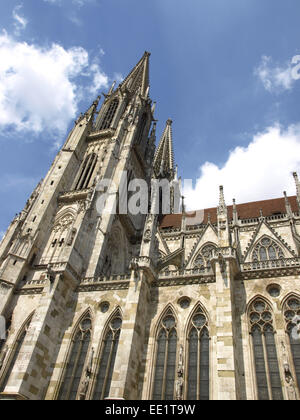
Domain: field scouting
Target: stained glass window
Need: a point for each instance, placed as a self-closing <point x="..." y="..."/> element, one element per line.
<point x="264" y="351"/>
<point x="76" y="362"/>
<point x="198" y="358"/>
<point x="267" y="249"/>
<point x="109" y="115"/>
<point x="202" y="260"/>
<point x="165" y="364"/>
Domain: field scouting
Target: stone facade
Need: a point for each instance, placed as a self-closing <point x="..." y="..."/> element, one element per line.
<point x="106" y="305"/>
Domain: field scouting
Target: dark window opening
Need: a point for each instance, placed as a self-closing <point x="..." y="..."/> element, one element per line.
<point x="109" y="115"/>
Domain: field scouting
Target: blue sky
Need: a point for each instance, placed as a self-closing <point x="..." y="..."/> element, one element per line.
<point x="221" y="70"/>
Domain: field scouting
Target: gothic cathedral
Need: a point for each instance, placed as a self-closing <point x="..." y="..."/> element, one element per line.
<point x="116" y="305"/>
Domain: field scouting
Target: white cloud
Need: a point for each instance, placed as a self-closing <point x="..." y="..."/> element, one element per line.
<point x="100" y="79"/>
<point x="262" y="170"/>
<point x="20" y="22"/>
<point x="78" y="3"/>
<point x="275" y="79"/>
<point x="39" y="87"/>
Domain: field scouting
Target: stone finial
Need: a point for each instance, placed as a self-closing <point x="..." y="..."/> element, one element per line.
<point x="222" y="205"/>
<point x="153" y="108"/>
<point x="287" y="205"/>
<point x="112" y="88"/>
<point x="234" y="211"/>
<point x="295" y="175"/>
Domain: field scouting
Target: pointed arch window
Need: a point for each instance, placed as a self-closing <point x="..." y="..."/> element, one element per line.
<point x="198" y="357"/>
<point x="165" y="363"/>
<point x="14" y="356"/>
<point x="108" y="358"/>
<point x="76" y="360"/>
<point x="141" y="128"/>
<point x="267" y="249"/>
<point x="264" y="351"/>
<point x="86" y="172"/>
<point x="202" y="260"/>
<point x="109" y="115"/>
<point x="291" y="312"/>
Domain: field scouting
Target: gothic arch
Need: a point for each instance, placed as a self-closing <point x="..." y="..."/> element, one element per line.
<point x="15" y="349"/>
<point x="106" y="355"/>
<point x="258" y="297"/>
<point x="287" y="297"/>
<point x="264" y="349"/>
<point x="109" y="113"/>
<point x="198" y="305"/>
<point x="169" y="307"/>
<point x="164" y="355"/>
<point x="88" y="312"/>
<point x="76" y="357"/>
<point x="197" y="351"/>
<point x="266" y="248"/>
<point x="203" y="255"/>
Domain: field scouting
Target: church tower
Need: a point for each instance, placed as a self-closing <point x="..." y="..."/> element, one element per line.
<point x="61" y="242"/>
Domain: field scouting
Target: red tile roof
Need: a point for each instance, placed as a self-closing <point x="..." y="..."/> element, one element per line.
<point x="244" y="211"/>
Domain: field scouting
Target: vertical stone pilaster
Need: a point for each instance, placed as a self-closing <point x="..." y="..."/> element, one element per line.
<point x="125" y="381"/>
<point x="225" y="380"/>
<point x="33" y="368"/>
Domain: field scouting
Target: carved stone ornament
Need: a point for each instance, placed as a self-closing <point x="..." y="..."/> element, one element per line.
<point x="87" y="377"/>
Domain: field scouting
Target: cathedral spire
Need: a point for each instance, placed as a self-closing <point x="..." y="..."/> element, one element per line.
<point x="164" y="157"/>
<point x="138" y="77"/>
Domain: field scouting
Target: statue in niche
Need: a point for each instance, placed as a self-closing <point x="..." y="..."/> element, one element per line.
<point x="290" y="383"/>
<point x="87" y="377"/>
<point x="180" y="380"/>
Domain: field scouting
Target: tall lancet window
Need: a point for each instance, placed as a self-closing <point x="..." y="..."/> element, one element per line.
<point x="198" y="357"/>
<point x="141" y="129"/>
<point x="109" y="115"/>
<point x="107" y="358"/>
<point x="264" y="351"/>
<point x="77" y="359"/>
<point x="8" y="367"/>
<point x="165" y="362"/>
<point x="86" y="171"/>
<point x="292" y="314"/>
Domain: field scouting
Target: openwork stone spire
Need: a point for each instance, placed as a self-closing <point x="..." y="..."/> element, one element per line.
<point x="164" y="157"/>
<point x="138" y="77"/>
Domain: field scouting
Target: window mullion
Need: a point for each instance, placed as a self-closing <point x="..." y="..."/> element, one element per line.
<point x="267" y="366"/>
<point x="198" y="366"/>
